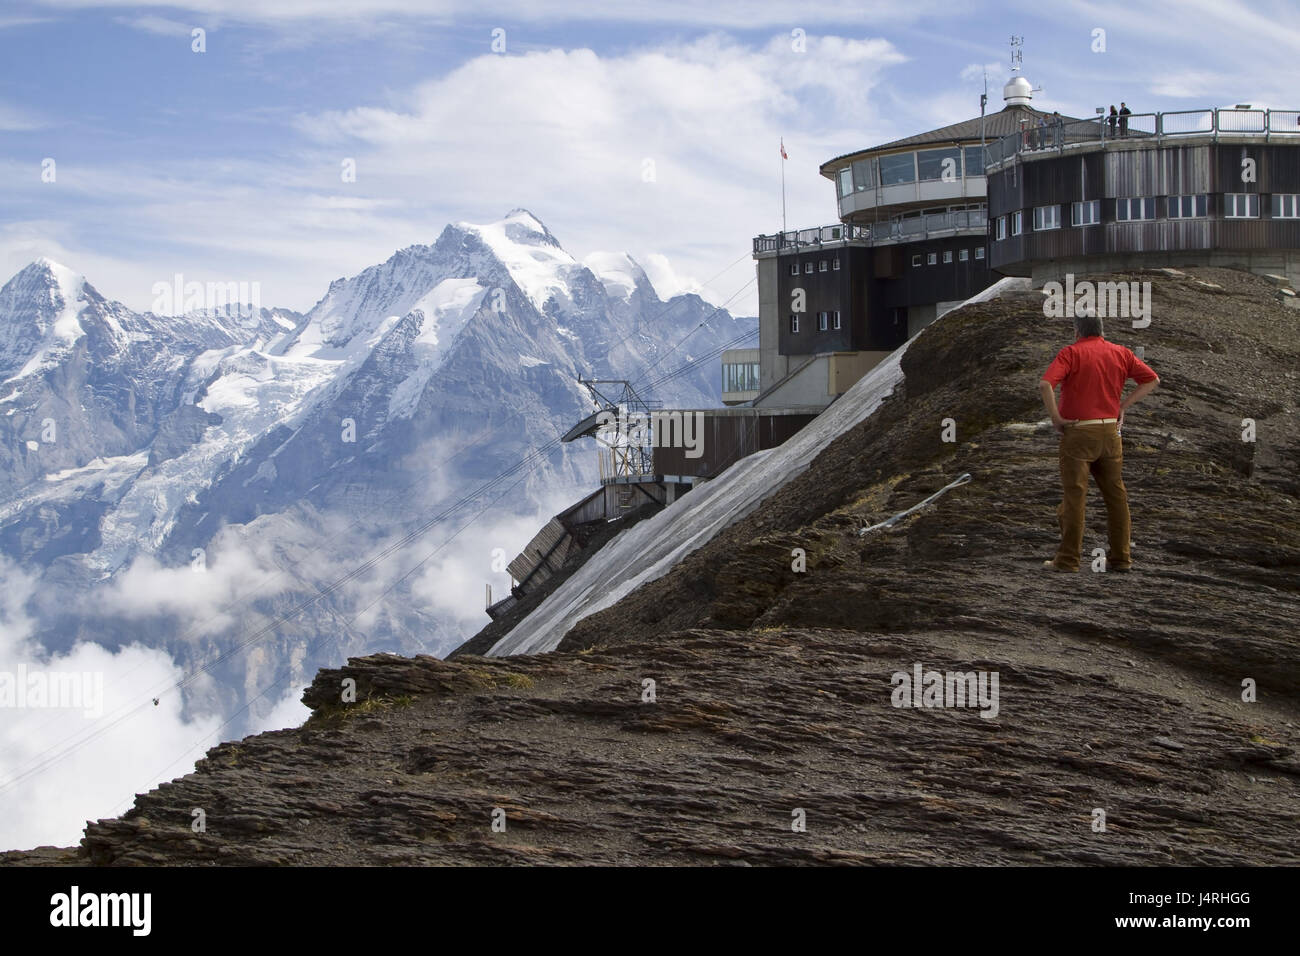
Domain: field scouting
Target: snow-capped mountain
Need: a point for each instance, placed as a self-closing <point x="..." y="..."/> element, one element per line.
<point x="276" y="451"/>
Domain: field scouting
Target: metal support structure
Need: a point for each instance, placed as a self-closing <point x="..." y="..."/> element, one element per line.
<point x="628" y="440"/>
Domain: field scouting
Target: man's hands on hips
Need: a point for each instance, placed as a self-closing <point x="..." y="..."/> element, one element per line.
<point x="1059" y="423"/>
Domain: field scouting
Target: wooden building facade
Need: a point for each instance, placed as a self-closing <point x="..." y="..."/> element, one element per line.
<point x="1149" y="201"/>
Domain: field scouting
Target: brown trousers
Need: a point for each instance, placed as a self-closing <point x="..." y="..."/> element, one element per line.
<point x="1097" y="450"/>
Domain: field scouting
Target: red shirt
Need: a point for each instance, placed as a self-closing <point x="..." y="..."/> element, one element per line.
<point x="1092" y="373"/>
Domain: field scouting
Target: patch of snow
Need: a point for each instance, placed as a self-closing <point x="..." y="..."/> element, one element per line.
<point x="537" y="263"/>
<point x="97" y="466"/>
<point x="253" y="393"/>
<point x="528" y="361"/>
<point x="617" y="271"/>
<point x="446" y="310"/>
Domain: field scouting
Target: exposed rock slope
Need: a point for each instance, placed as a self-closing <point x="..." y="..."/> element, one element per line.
<point x="773" y="688"/>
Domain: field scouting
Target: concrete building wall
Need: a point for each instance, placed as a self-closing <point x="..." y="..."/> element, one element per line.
<point x="807" y="386"/>
<point x="847" y="367"/>
<point x="772" y="365"/>
<point x="918" y="317"/>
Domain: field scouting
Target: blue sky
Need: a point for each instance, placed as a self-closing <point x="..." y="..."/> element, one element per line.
<point x="225" y="165"/>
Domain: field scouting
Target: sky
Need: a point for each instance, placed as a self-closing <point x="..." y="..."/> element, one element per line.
<point x="646" y="126"/>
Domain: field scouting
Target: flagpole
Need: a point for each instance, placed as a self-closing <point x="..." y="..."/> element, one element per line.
<point x="783" y="187"/>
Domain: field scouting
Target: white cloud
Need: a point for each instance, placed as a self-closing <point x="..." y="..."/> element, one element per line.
<point x="612" y="152"/>
<point x="612" y="149"/>
<point x="160" y="26"/>
<point x="734" y="14"/>
<point x="64" y="781"/>
<point x="14" y="120"/>
<point x="976" y="71"/>
<point x="453" y="582"/>
<point x="665" y="279"/>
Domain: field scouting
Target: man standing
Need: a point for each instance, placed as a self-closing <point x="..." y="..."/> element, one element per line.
<point x="1092" y="373"/>
<point x="1124" y="113"/>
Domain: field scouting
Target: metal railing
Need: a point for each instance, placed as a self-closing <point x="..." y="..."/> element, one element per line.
<point x="1104" y="130"/>
<point x="876" y="233"/>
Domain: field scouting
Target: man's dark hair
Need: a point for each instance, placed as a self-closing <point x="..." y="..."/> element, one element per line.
<point x="1088" y="325"/>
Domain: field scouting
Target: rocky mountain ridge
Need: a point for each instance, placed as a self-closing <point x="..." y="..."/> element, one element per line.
<point x="1148" y="718"/>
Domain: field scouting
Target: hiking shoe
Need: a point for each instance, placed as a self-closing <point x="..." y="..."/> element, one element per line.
<point x="1053" y="566"/>
<point x="1121" y="568"/>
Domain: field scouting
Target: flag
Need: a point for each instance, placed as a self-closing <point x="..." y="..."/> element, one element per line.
<point x="783" y="155"/>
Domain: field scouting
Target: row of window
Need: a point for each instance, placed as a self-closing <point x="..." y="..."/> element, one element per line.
<point x="821" y="267"/>
<point x="1134" y="209"/>
<point x="963" y="255"/>
<point x="825" y="320"/>
<point x="740" y="377"/>
<point x="926" y="165"/>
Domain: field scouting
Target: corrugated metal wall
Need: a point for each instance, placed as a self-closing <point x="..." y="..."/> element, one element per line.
<point x="727" y="439"/>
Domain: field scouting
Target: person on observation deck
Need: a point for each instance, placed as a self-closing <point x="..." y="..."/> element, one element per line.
<point x="1091" y="373"/>
<point x="1114" y="117"/>
<point x="1124" y="113"/>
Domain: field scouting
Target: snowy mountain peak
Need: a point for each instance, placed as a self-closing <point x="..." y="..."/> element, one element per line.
<point x="54" y="277"/>
<point x="522" y="226"/>
<point x="42" y="303"/>
<point x="620" y="274"/>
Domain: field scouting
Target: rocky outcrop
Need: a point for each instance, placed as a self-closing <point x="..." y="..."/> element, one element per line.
<point x="741" y="711"/>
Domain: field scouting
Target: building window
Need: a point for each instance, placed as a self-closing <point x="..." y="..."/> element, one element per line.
<point x="821" y="321"/>
<point x="740" y="377"/>
<point x="1002" y="227"/>
<point x="1017" y="222"/>
<point x="863" y="179"/>
<point x="930" y="164"/>
<point x="1286" y="206"/>
<point x="807" y="268"/>
<point x="835" y="319"/>
<point x="963" y="255"/>
<point x="899" y="168"/>
<point x="974" y="158"/>
<point x="1240" y="205"/>
<point x="794" y="323"/>
<point x="846" y="181"/>
<point x="947" y="256"/>
<point x="794" y="268"/>
<point x="1086" y="213"/>
<point x="1187" y="207"/>
<point x="1047" y="217"/>
<point x="822" y="266"/>
<point x="835" y="265"/>
<point x="1132" y="209"/>
<point x="916" y="261"/>
<point x="979" y="252"/>
<point x="931" y="259"/>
